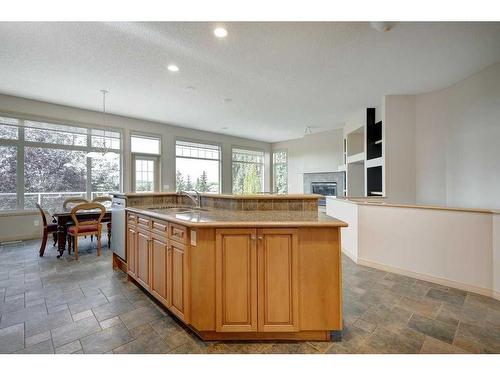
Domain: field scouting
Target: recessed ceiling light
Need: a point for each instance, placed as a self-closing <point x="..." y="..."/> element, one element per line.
<point x="220" y="32"/>
<point x="173" y="68"/>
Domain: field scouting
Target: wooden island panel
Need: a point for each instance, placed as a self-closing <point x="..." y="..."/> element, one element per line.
<point x="278" y="280"/>
<point x="236" y="280"/>
<point x="241" y="283"/>
<point x="320" y="279"/>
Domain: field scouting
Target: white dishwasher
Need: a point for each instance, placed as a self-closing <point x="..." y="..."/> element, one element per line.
<point x="118" y="227"/>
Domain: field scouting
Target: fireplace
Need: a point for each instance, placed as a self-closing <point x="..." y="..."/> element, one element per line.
<point x="324" y="188"/>
<point x="325" y="184"/>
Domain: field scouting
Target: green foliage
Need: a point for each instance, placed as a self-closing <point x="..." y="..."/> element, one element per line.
<point x="247" y="178"/>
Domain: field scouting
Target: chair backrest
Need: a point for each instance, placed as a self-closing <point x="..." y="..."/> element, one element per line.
<point x="104" y="199"/>
<point x="86" y="207"/>
<point x="42" y="212"/>
<point x="73" y="201"/>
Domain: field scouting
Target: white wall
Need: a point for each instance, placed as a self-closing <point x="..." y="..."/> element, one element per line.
<point x="457" y="141"/>
<point x="399" y="147"/>
<point x="314" y="153"/>
<point x="10" y="105"/>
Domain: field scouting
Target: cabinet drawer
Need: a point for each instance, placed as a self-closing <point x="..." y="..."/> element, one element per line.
<point x="143" y="222"/>
<point x="159" y="226"/>
<point x="132" y="219"/>
<point x="178" y="232"/>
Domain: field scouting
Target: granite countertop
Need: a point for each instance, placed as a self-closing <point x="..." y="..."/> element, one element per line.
<point x="225" y="196"/>
<point x="229" y="218"/>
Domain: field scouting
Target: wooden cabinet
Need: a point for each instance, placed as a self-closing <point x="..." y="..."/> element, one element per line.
<point x="241" y="283"/>
<point x="236" y="280"/>
<point x="158" y="261"/>
<point x="180" y="280"/>
<point x="131" y="250"/>
<point x="161" y="260"/>
<point x="256" y="280"/>
<point x="278" y="292"/>
<point x="143" y="257"/>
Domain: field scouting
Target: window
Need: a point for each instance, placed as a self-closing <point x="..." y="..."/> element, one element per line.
<point x="60" y="161"/>
<point x="280" y="172"/>
<point x="145" y="174"/>
<point x="140" y="144"/>
<point x="197" y="167"/>
<point x="248" y="171"/>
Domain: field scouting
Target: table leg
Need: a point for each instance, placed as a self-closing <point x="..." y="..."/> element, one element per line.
<point x="109" y="235"/>
<point x="61" y="241"/>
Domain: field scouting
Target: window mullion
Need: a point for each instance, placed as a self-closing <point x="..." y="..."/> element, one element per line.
<point x="20" y="167"/>
<point x="89" y="166"/>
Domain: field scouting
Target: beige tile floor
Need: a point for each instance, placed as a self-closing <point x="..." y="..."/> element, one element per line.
<point x="51" y="305"/>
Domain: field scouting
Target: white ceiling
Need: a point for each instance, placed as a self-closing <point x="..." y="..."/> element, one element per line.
<point x="281" y="77"/>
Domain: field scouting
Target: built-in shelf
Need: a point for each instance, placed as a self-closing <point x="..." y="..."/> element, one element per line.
<point x="357" y="158"/>
<point x="378" y="142"/>
<point x="341" y="168"/>
<point x="376" y="193"/>
<point x="374" y="162"/>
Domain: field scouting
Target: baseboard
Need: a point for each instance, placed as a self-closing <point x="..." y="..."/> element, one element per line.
<point x="351" y="255"/>
<point x="433" y="279"/>
<point x="20" y="238"/>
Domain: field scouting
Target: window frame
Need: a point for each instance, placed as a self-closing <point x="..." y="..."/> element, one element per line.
<point x="21" y="143"/>
<point x="145" y="156"/>
<point x="274" y="168"/>
<point x="156" y="167"/>
<point x="201" y="142"/>
<point x="248" y="148"/>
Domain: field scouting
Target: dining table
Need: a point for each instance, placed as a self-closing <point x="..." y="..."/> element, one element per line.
<point x="64" y="220"/>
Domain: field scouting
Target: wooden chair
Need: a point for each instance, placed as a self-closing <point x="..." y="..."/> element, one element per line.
<point x="47" y="229"/>
<point x="85" y="228"/>
<point x="71" y="202"/>
<point x="106" y="201"/>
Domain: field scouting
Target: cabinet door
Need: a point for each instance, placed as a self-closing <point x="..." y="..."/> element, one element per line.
<point x="179" y="269"/>
<point x="236" y="280"/>
<point x="131" y="251"/>
<point x="160" y="269"/>
<point x="143" y="258"/>
<point x="278" y="280"/>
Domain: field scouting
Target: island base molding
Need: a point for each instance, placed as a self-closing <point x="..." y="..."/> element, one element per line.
<point x="286" y="336"/>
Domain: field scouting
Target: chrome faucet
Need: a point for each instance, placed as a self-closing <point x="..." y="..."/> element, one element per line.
<point x="193" y="195"/>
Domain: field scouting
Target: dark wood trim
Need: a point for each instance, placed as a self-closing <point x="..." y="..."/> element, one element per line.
<point x="277" y="336"/>
<point x="119" y="263"/>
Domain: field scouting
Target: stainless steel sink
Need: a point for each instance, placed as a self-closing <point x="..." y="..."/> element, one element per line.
<point x="179" y="210"/>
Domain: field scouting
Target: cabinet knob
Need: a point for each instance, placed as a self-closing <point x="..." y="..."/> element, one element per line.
<point x="253" y="238"/>
<point x="261" y="238"/>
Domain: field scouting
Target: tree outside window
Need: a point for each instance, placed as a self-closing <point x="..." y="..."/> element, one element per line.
<point x="280" y="172"/>
<point x="248" y="171"/>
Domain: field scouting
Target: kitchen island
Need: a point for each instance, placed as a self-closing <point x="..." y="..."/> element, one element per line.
<point x="241" y="274"/>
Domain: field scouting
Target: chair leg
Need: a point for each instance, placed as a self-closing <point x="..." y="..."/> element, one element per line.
<point x="44" y="243"/>
<point x="98" y="244"/>
<point x="75" y="247"/>
<point x="70" y="240"/>
<point x="54" y="237"/>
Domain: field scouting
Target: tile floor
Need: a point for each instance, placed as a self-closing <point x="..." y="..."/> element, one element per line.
<point x="51" y="305"/>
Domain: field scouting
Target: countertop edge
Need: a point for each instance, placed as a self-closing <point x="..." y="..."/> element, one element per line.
<point x="424" y="207"/>
<point x="335" y="223"/>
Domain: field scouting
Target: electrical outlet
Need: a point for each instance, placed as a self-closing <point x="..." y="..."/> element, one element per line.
<point x="36" y="222"/>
